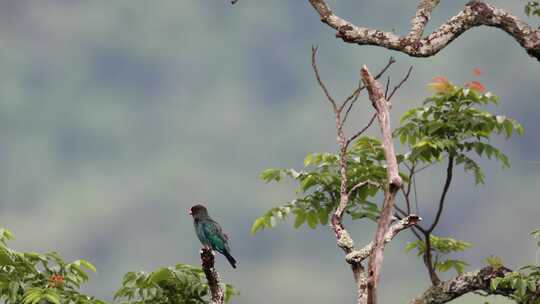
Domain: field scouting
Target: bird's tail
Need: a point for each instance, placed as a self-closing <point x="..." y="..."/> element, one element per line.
<point x="230" y="259"/>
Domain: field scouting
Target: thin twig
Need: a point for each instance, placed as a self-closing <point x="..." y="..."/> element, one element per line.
<point x="352" y="138"/>
<point x="387" y="86"/>
<point x="400" y="83"/>
<point x="408" y="191"/>
<point x="415" y="195"/>
<point x="449" y="171"/>
<point x="321" y="84"/>
<point x="356" y="93"/>
<point x="427" y="234"/>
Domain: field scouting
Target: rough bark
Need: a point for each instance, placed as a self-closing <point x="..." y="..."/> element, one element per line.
<point x="366" y="251"/>
<point x="474" y="281"/>
<point x="382" y="107"/>
<point x="212" y="276"/>
<point x="475" y="13"/>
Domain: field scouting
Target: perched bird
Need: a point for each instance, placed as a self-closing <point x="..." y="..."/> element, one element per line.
<point x="209" y="232"/>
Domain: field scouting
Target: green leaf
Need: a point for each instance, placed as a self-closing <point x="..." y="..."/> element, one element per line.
<point x="88" y="265"/>
<point x="5" y="257"/>
<point x="269" y="175"/>
<point x="257" y="225"/>
<point x="410" y="246"/>
<point x="494" y="261"/>
<point x="313" y="159"/>
<point x="307" y="183"/>
<point x="509" y="128"/>
<point x="323" y="216"/>
<point x="161" y="274"/>
<point x="300" y="219"/>
<point x="52" y="298"/>
<point x="312" y="220"/>
<point x="495" y="283"/>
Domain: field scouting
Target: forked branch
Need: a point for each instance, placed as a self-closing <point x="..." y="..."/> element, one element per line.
<point x="343" y="239"/>
<point x="475" y="13"/>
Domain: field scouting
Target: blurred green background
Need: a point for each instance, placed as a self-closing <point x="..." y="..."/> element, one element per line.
<point x="116" y="116"/>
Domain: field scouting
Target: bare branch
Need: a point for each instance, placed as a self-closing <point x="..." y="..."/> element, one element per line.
<point x="381" y="105"/>
<point x="343" y="239"/>
<point x="400" y="83"/>
<point x="356" y="93"/>
<point x="321" y="84"/>
<point x="449" y="171"/>
<point x="212" y="276"/>
<point x="407" y="192"/>
<point x="371" y="120"/>
<point x="376" y="95"/>
<point x="419" y="21"/>
<point x="361" y="184"/>
<point x="475" y="13"/>
<point x="427" y="234"/>
<point x="386" y="87"/>
<point x="366" y="251"/>
<point x="428" y="260"/>
<point x="353" y="98"/>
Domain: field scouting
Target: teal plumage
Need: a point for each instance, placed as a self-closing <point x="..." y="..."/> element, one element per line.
<point x="210" y="233"/>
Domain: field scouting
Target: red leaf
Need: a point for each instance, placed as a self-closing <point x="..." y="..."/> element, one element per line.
<point x="477" y="71"/>
<point x="440" y="84"/>
<point x="475" y="85"/>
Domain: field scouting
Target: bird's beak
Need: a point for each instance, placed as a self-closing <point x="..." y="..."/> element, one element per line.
<point x="189" y="212"/>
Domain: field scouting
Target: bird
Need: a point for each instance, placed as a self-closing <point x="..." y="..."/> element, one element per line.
<point x="210" y="233"/>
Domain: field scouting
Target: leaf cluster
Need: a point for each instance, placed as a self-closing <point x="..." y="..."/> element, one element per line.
<point x="168" y="285"/>
<point x="440" y="248"/>
<point x="525" y="282"/>
<point x="532" y="8"/>
<point x="454" y="123"/>
<point x="318" y="189"/>
<point x="31" y="278"/>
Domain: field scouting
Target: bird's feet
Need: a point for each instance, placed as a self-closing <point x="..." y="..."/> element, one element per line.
<point x="206" y="248"/>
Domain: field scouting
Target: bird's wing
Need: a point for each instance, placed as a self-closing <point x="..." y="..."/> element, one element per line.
<point x="213" y="233"/>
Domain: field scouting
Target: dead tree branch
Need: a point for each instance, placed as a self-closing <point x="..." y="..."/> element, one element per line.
<point x="475" y="13"/>
<point x="212" y="276"/>
<point x="394" y="90"/>
<point x="381" y="105"/>
<point x="343" y="239"/>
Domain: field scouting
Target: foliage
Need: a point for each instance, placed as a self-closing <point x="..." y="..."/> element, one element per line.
<point x="182" y="284"/>
<point x="319" y="185"/>
<point x="494" y="261"/>
<point x="31" y="278"/>
<point x="440" y="247"/>
<point x="454" y="122"/>
<point x="532" y="8"/>
<point x="525" y="282"/>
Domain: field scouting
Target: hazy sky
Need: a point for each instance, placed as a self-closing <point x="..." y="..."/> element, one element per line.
<point x="116" y="116"/>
